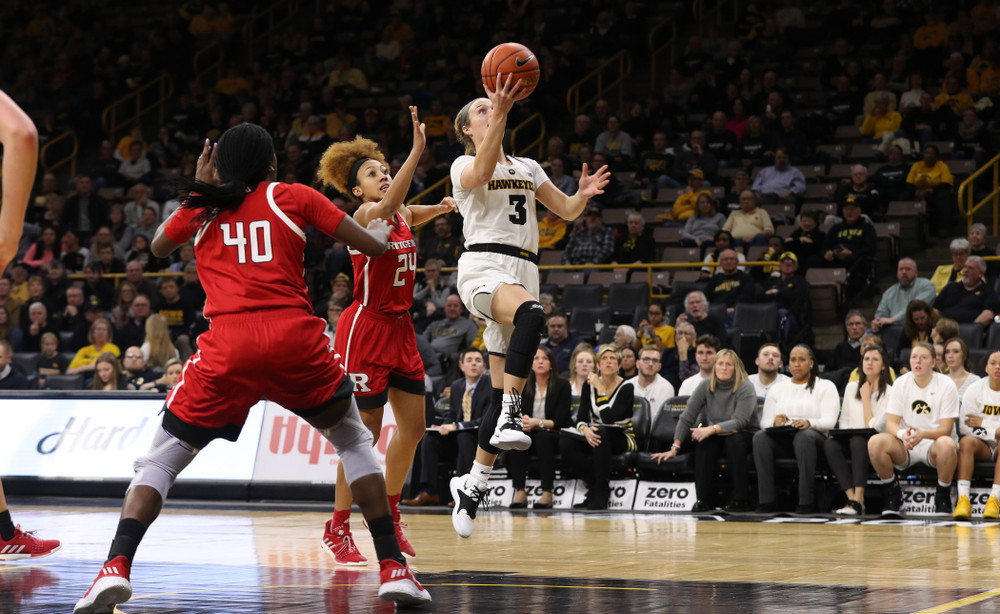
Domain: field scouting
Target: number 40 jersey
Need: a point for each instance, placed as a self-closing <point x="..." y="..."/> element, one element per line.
<point x="502" y="210"/>
<point x="251" y="258"/>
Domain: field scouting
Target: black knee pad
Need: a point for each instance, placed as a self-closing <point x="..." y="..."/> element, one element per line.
<point x="529" y="324"/>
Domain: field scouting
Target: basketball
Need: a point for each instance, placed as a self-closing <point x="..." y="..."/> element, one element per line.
<point x="511" y="59"/>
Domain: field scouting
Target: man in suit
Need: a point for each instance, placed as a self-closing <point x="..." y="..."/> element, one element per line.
<point x="458" y="437"/>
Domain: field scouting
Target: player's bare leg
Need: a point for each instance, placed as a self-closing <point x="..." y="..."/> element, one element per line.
<point x="501" y="429"/>
<point x="17" y="544"/>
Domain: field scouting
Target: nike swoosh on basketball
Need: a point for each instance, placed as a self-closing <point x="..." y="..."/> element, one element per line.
<point x="521" y="63"/>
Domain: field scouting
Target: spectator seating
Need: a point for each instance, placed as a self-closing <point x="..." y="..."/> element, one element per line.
<point x="581" y="295"/>
<point x="624" y="299"/>
<point x="64" y="382"/>
<point x="25" y="362"/>
<point x="824" y="291"/>
<point x="626" y="462"/>
<point x="582" y="320"/>
<point x="972" y="332"/>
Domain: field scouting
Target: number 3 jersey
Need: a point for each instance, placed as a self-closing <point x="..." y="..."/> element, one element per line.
<point x="385" y="284"/>
<point x="502" y="210"/>
<point x="252" y="258"/>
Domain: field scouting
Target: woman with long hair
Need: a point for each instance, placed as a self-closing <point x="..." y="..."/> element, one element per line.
<point x="122" y="312"/>
<point x="546" y="410"/>
<point x="157" y="348"/>
<point x="498" y="272"/>
<point x="8" y="332"/>
<point x="375" y="334"/>
<point x="264" y="342"/>
<point x="45" y="250"/>
<point x="956" y="358"/>
<point x="581" y="365"/>
<point x="605" y="421"/>
<point x="919" y="321"/>
<point x="979" y="427"/>
<point x="863" y="408"/>
<point x="807" y="403"/>
<point x="171" y="375"/>
<point x="107" y="373"/>
<point x="728" y="402"/>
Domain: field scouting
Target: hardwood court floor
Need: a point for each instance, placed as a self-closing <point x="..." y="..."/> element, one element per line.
<point x="207" y="559"/>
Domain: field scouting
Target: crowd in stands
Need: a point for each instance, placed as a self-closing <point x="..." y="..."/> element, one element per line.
<point x="735" y="153"/>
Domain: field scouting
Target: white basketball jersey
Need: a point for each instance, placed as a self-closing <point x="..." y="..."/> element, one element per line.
<point x="502" y="210"/>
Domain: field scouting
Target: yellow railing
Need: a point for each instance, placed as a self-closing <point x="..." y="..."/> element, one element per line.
<point x="967" y="203"/>
<point x="68" y="159"/>
<point x="609" y="75"/>
<point x="258" y="29"/>
<point x="208" y="64"/>
<point x="662" y="49"/>
<point x="538" y="143"/>
<point x="150" y="98"/>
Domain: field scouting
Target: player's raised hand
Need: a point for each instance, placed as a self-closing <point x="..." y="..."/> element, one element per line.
<point x="419" y="134"/>
<point x="505" y="96"/>
<point x="592" y="185"/>
<point x="205" y="171"/>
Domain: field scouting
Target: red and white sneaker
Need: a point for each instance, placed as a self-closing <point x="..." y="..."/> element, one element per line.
<point x="339" y="543"/>
<point x="111" y="588"/>
<point x="404" y="544"/>
<point x="400" y="585"/>
<point x="24" y="545"/>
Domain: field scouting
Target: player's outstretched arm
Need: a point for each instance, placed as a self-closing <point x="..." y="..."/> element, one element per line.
<point x="370" y="241"/>
<point x="20" y="143"/>
<point x="400" y="183"/>
<point x="422" y="213"/>
<point x="488" y="152"/>
<point x="570" y="207"/>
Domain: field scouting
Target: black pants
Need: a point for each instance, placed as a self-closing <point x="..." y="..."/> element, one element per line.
<point x="857" y="473"/>
<point x="735" y="447"/>
<point x="590" y="464"/>
<point x="460" y="445"/>
<point x="544" y="443"/>
<point x="803" y="445"/>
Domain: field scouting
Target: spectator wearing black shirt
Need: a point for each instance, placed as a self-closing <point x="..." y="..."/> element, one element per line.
<point x="133" y="332"/>
<point x="844" y="105"/>
<point x="730" y="285"/>
<point x="178" y="313"/>
<point x="693" y="155"/>
<point x="85" y="211"/>
<point x="654" y="163"/>
<point x="851" y="244"/>
<point x="636" y="244"/>
<point x="74" y="255"/>
<point x="696" y="312"/>
<point x="807" y="241"/>
<point x="581" y="135"/>
<point x="791" y="139"/>
<point x="96" y="287"/>
<point x="721" y="142"/>
<point x="791" y="292"/>
<point x="443" y="245"/>
<point x="969" y="300"/>
<point x="859" y="189"/>
<point x="890" y="178"/>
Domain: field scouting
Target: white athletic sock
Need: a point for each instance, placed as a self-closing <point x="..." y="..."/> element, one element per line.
<point x="943" y="484"/>
<point x="995" y="492"/>
<point x="963" y="487"/>
<point x="888" y="480"/>
<point x="480" y="473"/>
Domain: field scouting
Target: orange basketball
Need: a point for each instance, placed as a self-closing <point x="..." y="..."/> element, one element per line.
<point x="514" y="59"/>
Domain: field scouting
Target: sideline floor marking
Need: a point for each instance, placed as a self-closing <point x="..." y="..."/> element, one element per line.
<point x="954" y="605"/>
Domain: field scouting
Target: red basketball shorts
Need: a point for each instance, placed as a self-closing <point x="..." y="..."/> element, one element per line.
<point x="379" y="351"/>
<point x="278" y="354"/>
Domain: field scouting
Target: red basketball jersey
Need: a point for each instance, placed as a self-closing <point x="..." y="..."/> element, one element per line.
<point x="252" y="258"/>
<point x="385" y="284"/>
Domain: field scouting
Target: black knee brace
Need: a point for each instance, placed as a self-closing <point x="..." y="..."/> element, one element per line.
<point x="529" y="324"/>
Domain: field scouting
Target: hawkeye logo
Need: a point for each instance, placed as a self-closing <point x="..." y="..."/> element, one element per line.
<point x="920" y="408"/>
<point x="510" y="184"/>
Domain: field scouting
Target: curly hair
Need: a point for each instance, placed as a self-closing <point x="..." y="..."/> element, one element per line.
<point x="337" y="160"/>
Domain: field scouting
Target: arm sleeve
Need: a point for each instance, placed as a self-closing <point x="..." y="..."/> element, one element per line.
<point x="561" y="416"/>
<point x="766" y="221"/>
<point x="829" y="405"/>
<point x="868" y="127"/>
<point x="182" y="226"/>
<point x="798" y="182"/>
<point x="620" y="408"/>
<point x="583" y="415"/>
<point x="770" y="409"/>
<point x="926" y="292"/>
<point x="746" y="405"/>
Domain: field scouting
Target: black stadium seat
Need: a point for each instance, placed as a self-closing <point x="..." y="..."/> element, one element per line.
<point x="582" y="295"/>
<point x="624" y="298"/>
<point x="582" y="320"/>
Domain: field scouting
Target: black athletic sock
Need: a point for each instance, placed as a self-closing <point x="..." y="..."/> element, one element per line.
<point x="384" y="535"/>
<point x="489" y="422"/>
<point x="6" y="526"/>
<point x="127" y="537"/>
